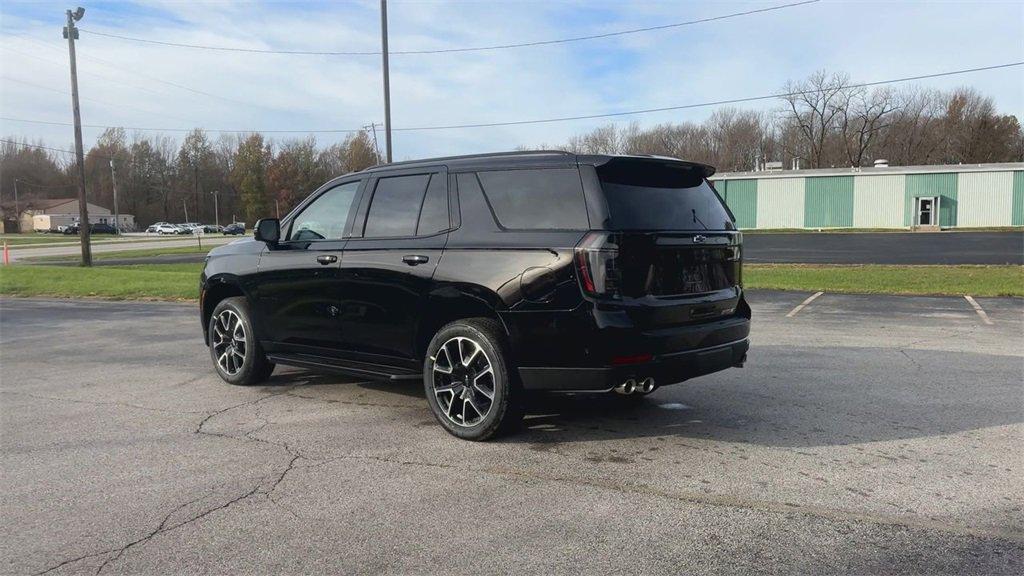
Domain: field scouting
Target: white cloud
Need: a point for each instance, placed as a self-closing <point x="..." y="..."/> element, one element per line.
<point x="745" y="56"/>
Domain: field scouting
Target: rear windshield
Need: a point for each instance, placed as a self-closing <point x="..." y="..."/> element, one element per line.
<point x="649" y="196"/>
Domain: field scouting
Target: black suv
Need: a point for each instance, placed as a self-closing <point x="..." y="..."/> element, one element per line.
<point x="488" y="276"/>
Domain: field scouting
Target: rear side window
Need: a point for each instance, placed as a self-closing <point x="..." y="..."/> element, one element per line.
<point x="408" y="206"/>
<point x="648" y="196"/>
<point x="434" y="214"/>
<point x="549" y="199"/>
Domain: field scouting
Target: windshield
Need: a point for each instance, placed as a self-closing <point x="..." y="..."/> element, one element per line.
<point x="647" y="196"/>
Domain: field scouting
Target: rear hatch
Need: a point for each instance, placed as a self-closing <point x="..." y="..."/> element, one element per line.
<point x="668" y="251"/>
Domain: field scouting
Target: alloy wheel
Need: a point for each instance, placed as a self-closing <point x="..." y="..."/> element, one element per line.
<point x="463" y="379"/>
<point x="229" y="342"/>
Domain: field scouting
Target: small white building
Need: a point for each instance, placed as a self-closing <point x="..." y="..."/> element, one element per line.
<point x="52" y="214"/>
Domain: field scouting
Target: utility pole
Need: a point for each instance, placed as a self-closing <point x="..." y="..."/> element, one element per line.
<point x="387" y="81"/>
<point x="195" y="187"/>
<point x="17" y="212"/>
<point x="113" y="184"/>
<point x="376" y="146"/>
<point x="71" y="33"/>
<point x="216" y="208"/>
<point x="184" y="208"/>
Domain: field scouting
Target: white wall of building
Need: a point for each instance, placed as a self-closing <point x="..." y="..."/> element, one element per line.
<point x="780" y="203"/>
<point x="984" y="199"/>
<point x="878" y="201"/>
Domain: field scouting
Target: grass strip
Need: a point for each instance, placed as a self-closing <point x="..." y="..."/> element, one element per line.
<point x="137" y="282"/>
<point x="881" y="279"/>
<point x="180" y="281"/>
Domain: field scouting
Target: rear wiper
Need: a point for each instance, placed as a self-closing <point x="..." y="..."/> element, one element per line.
<point x="697" y="220"/>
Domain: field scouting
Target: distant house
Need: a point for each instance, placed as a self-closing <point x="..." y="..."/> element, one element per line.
<point x="52" y="214"/>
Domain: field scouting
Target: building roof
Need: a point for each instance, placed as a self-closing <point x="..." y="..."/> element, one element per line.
<point x="47" y="203"/>
<point x="872" y="171"/>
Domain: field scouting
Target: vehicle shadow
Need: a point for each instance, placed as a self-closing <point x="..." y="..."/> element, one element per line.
<point x="777" y="400"/>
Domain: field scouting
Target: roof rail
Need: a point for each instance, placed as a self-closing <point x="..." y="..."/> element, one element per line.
<point x="473" y="156"/>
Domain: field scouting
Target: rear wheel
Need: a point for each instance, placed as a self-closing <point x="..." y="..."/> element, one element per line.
<point x="237" y="355"/>
<point x="469" y="382"/>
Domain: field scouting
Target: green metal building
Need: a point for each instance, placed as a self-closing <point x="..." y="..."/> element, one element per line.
<point x="975" y="195"/>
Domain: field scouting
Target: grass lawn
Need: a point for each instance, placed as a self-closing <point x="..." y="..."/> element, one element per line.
<point x="878" y="279"/>
<point x="145" y="281"/>
<point x="144" y="253"/>
<point x="181" y="281"/>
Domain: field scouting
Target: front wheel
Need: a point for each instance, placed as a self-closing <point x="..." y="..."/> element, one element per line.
<point x="236" y="353"/>
<point x="469" y="382"/>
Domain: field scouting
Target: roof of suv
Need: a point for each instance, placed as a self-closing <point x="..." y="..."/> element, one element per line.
<point x="532" y="158"/>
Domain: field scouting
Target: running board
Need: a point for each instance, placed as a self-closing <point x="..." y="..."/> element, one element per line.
<point x="357" y="369"/>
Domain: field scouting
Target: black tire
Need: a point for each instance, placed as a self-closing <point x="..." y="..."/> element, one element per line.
<point x="504" y="410"/>
<point x="254" y="368"/>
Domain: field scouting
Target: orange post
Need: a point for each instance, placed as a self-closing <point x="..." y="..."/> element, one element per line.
<point x="7" y="255"/>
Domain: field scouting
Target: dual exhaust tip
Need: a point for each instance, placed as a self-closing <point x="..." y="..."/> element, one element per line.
<point x="636" y="386"/>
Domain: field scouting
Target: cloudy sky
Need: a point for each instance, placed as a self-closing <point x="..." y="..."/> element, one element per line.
<point x="131" y="84"/>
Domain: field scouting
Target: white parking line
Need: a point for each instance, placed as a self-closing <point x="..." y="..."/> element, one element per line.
<point x="977" y="308"/>
<point x="803" y="304"/>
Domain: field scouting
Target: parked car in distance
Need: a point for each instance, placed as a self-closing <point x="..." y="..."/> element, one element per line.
<point x="97" y="228"/>
<point x="207" y="229"/>
<point x="234" y="229"/>
<point x="163" y="228"/>
<point x="486" y="277"/>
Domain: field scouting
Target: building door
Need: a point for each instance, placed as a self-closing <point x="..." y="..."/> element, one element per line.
<point x="927" y="211"/>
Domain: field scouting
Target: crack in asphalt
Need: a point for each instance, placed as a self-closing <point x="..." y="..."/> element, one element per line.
<point x="162" y="527"/>
<point x="267" y="489"/>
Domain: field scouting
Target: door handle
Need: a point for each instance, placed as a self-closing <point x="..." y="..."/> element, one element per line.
<point x="414" y="259"/>
<point x="327" y="259"/>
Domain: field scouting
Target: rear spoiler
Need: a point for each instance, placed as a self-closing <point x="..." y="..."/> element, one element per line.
<point x="704" y="170"/>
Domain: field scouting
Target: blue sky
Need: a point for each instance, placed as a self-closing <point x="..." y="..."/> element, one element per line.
<point x="749" y="55"/>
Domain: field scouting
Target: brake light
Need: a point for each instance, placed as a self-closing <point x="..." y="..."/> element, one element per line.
<point x="597" y="262"/>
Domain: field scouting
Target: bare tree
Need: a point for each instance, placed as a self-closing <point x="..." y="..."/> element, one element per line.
<point x="863" y="115"/>
<point x="814" y="107"/>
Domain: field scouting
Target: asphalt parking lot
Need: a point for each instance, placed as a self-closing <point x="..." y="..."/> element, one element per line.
<point x="867" y="434"/>
<point x="947" y="247"/>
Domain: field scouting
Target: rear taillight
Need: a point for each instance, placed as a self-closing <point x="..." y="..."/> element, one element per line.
<point x="597" y="262"/>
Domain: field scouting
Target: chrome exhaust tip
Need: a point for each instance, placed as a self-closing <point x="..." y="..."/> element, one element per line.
<point x="647" y="385"/>
<point x="626" y="388"/>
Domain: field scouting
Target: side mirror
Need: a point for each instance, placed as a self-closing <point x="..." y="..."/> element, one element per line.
<point x="268" y="230"/>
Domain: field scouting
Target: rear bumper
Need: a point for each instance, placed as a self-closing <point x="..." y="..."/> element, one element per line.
<point x="665" y="369"/>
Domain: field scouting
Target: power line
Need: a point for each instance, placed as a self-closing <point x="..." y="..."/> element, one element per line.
<point x="561" y="118"/>
<point x="16" y="143"/>
<point x="451" y="50"/>
<point x="213" y="130"/>
<point x="101" y="102"/>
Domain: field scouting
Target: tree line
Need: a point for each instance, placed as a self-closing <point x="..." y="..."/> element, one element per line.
<point x="159" y="180"/>
<point x="823" y="121"/>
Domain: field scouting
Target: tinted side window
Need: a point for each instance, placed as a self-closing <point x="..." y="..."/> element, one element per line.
<point x="325" y="218"/>
<point x="395" y="206"/>
<point x="434" y="214"/>
<point x="536" y="199"/>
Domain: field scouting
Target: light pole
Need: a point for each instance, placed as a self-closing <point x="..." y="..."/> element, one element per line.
<point x="71" y="33"/>
<point x="387" y="81"/>
<point x="113" y="184"/>
<point x="216" y="209"/>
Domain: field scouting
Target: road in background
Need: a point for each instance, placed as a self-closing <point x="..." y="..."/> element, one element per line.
<point x="71" y="250"/>
<point x="885" y="248"/>
<point x="866" y="435"/>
